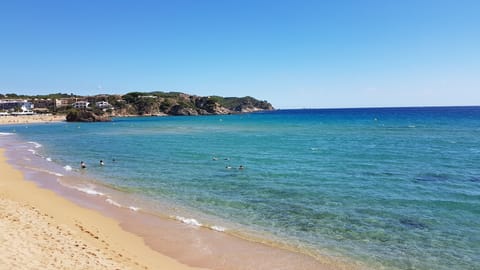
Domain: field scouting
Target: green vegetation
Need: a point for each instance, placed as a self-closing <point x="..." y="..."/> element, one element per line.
<point x="146" y="103"/>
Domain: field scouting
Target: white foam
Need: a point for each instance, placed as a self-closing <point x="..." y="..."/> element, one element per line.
<point x="112" y="202"/>
<point x="218" y="228"/>
<point x="49" y="159"/>
<point x="45" y="171"/>
<point x="89" y="191"/>
<point x="5" y="133"/>
<point x="35" y="144"/>
<point x="32" y="151"/>
<point x="67" y="168"/>
<point x="133" y="208"/>
<point x="189" y="221"/>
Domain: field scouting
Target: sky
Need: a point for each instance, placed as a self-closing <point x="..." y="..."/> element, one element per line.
<point x="294" y="54"/>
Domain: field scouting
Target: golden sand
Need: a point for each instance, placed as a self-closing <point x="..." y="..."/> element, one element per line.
<point x="30" y="119"/>
<point x="41" y="230"/>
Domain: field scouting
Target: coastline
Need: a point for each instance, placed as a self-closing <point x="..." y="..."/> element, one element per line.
<point x="164" y="237"/>
<point x="30" y="119"/>
<point x="44" y="230"/>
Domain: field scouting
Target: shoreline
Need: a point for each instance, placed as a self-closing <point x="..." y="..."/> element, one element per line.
<point x="44" y="230"/>
<point x="189" y="245"/>
<point x="30" y="119"/>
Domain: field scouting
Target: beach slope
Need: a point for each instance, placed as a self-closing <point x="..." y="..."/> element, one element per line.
<point x="41" y="230"/>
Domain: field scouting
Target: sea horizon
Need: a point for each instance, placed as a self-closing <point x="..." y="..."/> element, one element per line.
<point x="378" y="107"/>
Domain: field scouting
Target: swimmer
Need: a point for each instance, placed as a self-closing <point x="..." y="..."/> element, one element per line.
<point x="228" y="167"/>
<point x="214" y="158"/>
<point x="241" y="167"/>
<point x="83" y="165"/>
<point x="101" y="163"/>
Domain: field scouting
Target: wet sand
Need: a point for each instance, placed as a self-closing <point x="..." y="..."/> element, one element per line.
<point x="30" y="119"/>
<point x="41" y="230"/>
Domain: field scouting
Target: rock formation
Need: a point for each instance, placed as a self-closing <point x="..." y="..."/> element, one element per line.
<point x="85" y="116"/>
<point x="172" y="103"/>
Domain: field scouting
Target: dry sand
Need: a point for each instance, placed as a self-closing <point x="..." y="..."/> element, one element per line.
<point x="41" y="230"/>
<point x="30" y="119"/>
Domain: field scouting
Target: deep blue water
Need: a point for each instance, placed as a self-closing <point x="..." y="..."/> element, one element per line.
<point x="394" y="187"/>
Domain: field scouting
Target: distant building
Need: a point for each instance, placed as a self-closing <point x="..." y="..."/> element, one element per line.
<point x="81" y="104"/>
<point x="64" y="102"/>
<point x="103" y="105"/>
<point x="42" y="103"/>
<point x="15" y="105"/>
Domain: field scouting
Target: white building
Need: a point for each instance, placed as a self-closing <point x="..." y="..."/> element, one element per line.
<point x="103" y="105"/>
<point x="81" y="105"/>
<point x="13" y="105"/>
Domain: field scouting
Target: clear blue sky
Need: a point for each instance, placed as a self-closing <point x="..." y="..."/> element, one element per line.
<point x="292" y="53"/>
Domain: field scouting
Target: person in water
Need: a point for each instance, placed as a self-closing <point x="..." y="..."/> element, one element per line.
<point x="101" y="163"/>
<point x="83" y="165"/>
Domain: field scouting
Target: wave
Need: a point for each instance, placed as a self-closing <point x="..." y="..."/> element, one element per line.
<point x="48" y="159"/>
<point x="5" y="133"/>
<point x="67" y="168"/>
<point x="32" y="151"/>
<point x="189" y="221"/>
<point x="194" y="222"/>
<point x="133" y="208"/>
<point x="112" y="202"/>
<point x="35" y="144"/>
<point x="218" y="228"/>
<point x="45" y="171"/>
<point x="89" y="191"/>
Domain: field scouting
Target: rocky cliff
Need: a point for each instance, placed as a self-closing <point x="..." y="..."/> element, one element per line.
<point x="173" y="103"/>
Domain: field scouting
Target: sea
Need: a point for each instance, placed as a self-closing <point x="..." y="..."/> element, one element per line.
<point x="373" y="188"/>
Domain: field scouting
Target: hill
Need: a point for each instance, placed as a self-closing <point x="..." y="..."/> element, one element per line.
<point x="143" y="103"/>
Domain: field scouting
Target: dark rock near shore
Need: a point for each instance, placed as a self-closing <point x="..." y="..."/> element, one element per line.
<point x="85" y="116"/>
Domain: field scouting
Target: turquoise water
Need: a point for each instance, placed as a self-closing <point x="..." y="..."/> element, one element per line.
<point x="396" y="188"/>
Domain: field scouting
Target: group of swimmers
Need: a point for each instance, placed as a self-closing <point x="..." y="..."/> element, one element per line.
<point x="228" y="167"/>
<point x="84" y="166"/>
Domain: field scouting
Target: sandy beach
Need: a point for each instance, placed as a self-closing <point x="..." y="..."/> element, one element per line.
<point x="41" y="230"/>
<point x="30" y="119"/>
